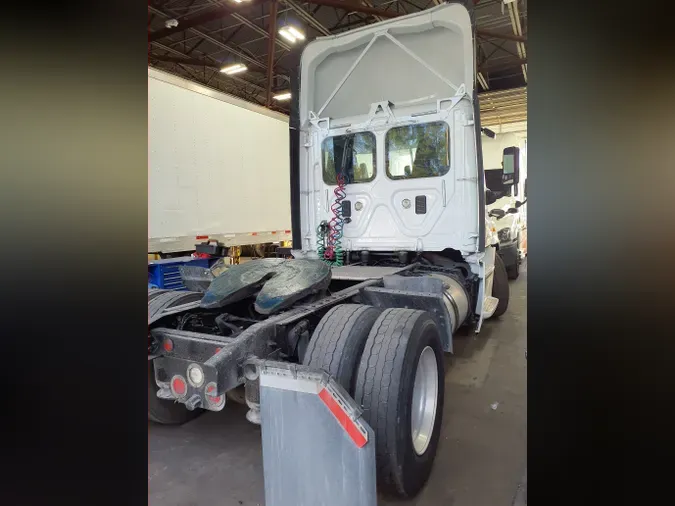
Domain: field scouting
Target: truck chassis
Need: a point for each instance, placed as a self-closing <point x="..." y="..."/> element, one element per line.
<point x="198" y="355"/>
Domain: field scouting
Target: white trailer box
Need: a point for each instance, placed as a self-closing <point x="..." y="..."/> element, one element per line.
<point x="218" y="168"/>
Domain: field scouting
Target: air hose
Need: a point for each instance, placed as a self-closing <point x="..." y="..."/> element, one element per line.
<point x="329" y="236"/>
<point x="321" y="238"/>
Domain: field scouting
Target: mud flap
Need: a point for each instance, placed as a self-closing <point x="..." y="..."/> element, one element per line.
<point x="486" y="303"/>
<point x="316" y="447"/>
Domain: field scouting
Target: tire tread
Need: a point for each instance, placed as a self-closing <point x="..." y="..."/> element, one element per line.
<point x="378" y="387"/>
<point x="336" y="332"/>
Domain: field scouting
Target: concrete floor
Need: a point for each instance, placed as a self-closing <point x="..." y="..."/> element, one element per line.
<point x="216" y="459"/>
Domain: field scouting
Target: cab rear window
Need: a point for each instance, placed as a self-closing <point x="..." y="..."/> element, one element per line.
<point x="352" y="155"/>
<point x="416" y="151"/>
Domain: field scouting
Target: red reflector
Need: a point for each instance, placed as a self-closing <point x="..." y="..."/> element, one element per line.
<point x="218" y="350"/>
<point x="216" y="402"/>
<point x="178" y="385"/>
<point x="287" y="231"/>
<point x="342" y="418"/>
<point x="168" y="345"/>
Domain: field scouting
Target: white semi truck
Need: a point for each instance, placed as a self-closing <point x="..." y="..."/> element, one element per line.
<point x="509" y="211"/>
<point x="392" y="254"/>
<point x="210" y="158"/>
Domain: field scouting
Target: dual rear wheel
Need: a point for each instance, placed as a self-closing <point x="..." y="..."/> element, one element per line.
<point x="391" y="362"/>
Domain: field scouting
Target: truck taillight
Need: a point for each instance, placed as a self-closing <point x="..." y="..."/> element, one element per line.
<point x="178" y="386"/>
<point x="215" y="401"/>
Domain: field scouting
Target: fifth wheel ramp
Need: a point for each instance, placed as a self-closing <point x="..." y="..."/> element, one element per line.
<point x="317" y="451"/>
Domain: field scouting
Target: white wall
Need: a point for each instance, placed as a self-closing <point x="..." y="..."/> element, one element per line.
<point x="214" y="167"/>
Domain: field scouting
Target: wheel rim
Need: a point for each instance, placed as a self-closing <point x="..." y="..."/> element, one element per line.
<point x="424" y="400"/>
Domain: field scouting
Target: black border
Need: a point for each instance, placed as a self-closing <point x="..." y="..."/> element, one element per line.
<point x="601" y="232"/>
<point x="73" y="194"/>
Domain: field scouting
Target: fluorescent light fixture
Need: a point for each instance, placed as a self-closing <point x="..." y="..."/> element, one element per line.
<point x="233" y="69"/>
<point x="291" y="33"/>
<point x="296" y="33"/>
<point x="282" y="96"/>
<point x="482" y="81"/>
<point x="287" y="35"/>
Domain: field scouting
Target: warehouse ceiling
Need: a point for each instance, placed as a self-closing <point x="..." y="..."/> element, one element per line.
<point x="195" y="39"/>
<point x="503" y="107"/>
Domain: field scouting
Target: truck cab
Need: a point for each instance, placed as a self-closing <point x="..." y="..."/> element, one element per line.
<point x="508" y="211"/>
<point x="388" y="148"/>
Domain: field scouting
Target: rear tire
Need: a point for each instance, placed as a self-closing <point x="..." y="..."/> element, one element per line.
<point x="513" y="271"/>
<point x="237" y="395"/>
<point x="385" y="388"/>
<point x="163" y="411"/>
<point x="338" y="341"/>
<point x="500" y="286"/>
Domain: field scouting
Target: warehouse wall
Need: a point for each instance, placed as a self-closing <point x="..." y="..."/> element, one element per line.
<point x="216" y="165"/>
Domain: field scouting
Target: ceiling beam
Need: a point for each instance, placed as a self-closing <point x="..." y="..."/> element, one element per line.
<point x="353" y="6"/>
<point x="233" y="77"/>
<point x="250" y="24"/>
<point x="270" y="50"/>
<point x="222" y="45"/>
<point x="307" y="17"/>
<point x="495" y="67"/>
<point x="187" y="22"/>
<point x="184" y="61"/>
<point x="367" y="3"/>
<point x="261" y="31"/>
<point x="506" y="36"/>
<point x="190" y="21"/>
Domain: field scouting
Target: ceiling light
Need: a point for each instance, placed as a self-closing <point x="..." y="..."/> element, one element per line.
<point x="296" y="33"/>
<point x="287" y="35"/>
<point x="233" y="69"/>
<point x="291" y="33"/>
<point x="282" y="96"/>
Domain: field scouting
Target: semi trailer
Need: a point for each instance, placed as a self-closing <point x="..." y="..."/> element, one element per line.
<point x="206" y="171"/>
<point x="393" y="253"/>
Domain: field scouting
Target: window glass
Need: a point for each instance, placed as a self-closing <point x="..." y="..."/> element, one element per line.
<point x="418" y="151"/>
<point x="351" y="155"/>
<point x="509" y="163"/>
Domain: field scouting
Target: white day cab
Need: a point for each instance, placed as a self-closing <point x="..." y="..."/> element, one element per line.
<point x="340" y="350"/>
